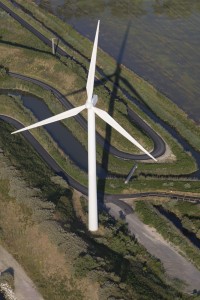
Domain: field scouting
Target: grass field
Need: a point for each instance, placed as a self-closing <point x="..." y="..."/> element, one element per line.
<point x="85" y="266"/>
<point x="143" y="91"/>
<point x="38" y="64"/>
<point x="34" y="202"/>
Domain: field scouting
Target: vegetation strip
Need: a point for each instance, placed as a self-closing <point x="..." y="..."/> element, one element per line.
<point x="163" y="168"/>
<point x="75" y="184"/>
<point x="160" y="145"/>
<point x="108" y="262"/>
<point x="152" y="217"/>
<point x="89" y="262"/>
<point x="140" y="122"/>
<point x="156" y="102"/>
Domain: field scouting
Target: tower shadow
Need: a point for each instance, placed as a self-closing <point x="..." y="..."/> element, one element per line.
<point x="101" y="184"/>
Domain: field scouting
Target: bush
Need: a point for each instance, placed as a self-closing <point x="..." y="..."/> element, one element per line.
<point x="187" y="186"/>
<point x="3" y="71"/>
<point x="65" y="211"/>
<point x="7" y="277"/>
<point x="7" y="285"/>
<point x="84" y="264"/>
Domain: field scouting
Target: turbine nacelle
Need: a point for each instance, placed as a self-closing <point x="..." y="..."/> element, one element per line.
<point x="92" y="103"/>
<point x="94" y="100"/>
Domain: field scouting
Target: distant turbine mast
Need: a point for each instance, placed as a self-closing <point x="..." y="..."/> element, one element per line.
<point x="90" y="106"/>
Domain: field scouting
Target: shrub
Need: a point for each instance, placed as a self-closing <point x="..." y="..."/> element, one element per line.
<point x="3" y="71"/>
<point x="7" y="277"/>
<point x="187" y="186"/>
<point x="84" y="264"/>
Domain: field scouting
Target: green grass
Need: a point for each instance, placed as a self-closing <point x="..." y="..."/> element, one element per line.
<point x="153" y="185"/>
<point x="41" y="179"/>
<point x="157" y="102"/>
<point x="39" y="71"/>
<point x="13" y="107"/>
<point x="185" y="164"/>
<point x="40" y="135"/>
<point x="139" y="274"/>
<point x="101" y="255"/>
<point x="188" y="213"/>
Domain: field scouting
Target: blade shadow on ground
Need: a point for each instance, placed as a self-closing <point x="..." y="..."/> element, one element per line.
<point x="105" y="156"/>
<point x="24" y="47"/>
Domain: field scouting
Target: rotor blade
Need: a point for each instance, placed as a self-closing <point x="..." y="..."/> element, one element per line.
<point x="64" y="115"/>
<point x="108" y="119"/>
<point x="91" y="74"/>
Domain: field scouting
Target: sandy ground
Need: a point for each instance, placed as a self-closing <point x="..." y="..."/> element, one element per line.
<point x="176" y="266"/>
<point x="24" y="287"/>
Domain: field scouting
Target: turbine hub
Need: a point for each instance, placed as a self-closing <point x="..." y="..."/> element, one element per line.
<point x="88" y="104"/>
<point x="93" y="102"/>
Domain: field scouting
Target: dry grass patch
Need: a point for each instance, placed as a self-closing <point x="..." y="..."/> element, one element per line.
<point x="29" y="233"/>
<point x="78" y="207"/>
<point x="38" y="66"/>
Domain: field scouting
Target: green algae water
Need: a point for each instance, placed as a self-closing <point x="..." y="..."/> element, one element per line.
<point x="162" y="45"/>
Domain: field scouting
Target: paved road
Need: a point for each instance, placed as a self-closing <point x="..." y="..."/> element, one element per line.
<point x="176" y="266"/>
<point x="45" y="155"/>
<point x="116" y="198"/>
<point x="159" y="144"/>
<point x="136" y="226"/>
<point x="24" y="287"/>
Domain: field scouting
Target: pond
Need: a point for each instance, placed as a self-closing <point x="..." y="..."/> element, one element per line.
<point x="163" y="41"/>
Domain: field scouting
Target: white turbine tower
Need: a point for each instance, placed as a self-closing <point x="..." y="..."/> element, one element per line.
<point x="90" y="106"/>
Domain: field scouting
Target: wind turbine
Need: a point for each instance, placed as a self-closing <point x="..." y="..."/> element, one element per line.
<point x="92" y="110"/>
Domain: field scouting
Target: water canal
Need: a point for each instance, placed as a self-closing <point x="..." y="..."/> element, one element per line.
<point x="60" y="133"/>
<point x="79" y="157"/>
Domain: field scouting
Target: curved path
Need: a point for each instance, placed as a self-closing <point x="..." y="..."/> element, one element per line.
<point x="159" y="145"/>
<point x="78" y="186"/>
<point x="190" y="277"/>
<point x="174" y="264"/>
<point x="157" y="150"/>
